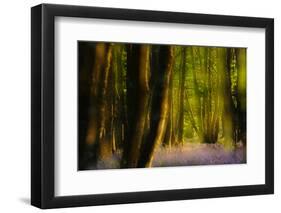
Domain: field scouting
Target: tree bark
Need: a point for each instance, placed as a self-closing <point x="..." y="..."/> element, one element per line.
<point x="99" y="123"/>
<point x="86" y="54"/>
<point x="159" y="108"/>
<point x="197" y="93"/>
<point x="181" y="96"/>
<point x="228" y="106"/>
<point x="241" y="97"/>
<point x="140" y="56"/>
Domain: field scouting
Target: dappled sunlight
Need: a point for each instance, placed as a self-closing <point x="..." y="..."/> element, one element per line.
<point x="145" y="105"/>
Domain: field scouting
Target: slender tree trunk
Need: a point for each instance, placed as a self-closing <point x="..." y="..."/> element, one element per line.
<point x="197" y="94"/>
<point x="98" y="132"/>
<point x="141" y="52"/>
<point x="159" y="107"/>
<point x="228" y="107"/>
<point x="208" y="95"/>
<point x="118" y="97"/>
<point x="86" y="55"/>
<point x="99" y="62"/>
<point x="241" y="100"/>
<point x="181" y="96"/>
<point x="131" y="100"/>
<point x="212" y="97"/>
<point x="169" y="132"/>
<point x="104" y="110"/>
<point x="217" y="102"/>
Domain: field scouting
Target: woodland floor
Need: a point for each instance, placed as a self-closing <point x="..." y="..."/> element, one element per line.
<point x="187" y="155"/>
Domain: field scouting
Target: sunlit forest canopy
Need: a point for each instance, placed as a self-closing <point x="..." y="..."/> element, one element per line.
<point x="148" y="105"/>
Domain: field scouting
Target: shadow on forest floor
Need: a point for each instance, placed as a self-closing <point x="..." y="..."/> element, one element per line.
<point x="189" y="154"/>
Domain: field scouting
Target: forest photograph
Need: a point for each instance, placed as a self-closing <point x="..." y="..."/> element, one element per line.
<point x="156" y="105"/>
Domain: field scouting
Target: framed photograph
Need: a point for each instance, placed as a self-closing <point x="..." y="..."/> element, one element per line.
<point x="139" y="106"/>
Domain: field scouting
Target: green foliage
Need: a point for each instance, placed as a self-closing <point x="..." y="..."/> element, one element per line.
<point x="186" y="94"/>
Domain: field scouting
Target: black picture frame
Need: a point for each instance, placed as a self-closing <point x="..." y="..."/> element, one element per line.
<point x="43" y="117"/>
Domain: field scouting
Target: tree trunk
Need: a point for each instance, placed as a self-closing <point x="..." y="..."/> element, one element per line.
<point x="241" y="100"/>
<point x="197" y="93"/>
<point x="228" y="106"/>
<point x="181" y="96"/>
<point x="169" y="131"/>
<point x="159" y="108"/>
<point x="104" y="110"/>
<point x="98" y="133"/>
<point x="118" y="96"/>
<point x="86" y="54"/>
<point x="142" y="65"/>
